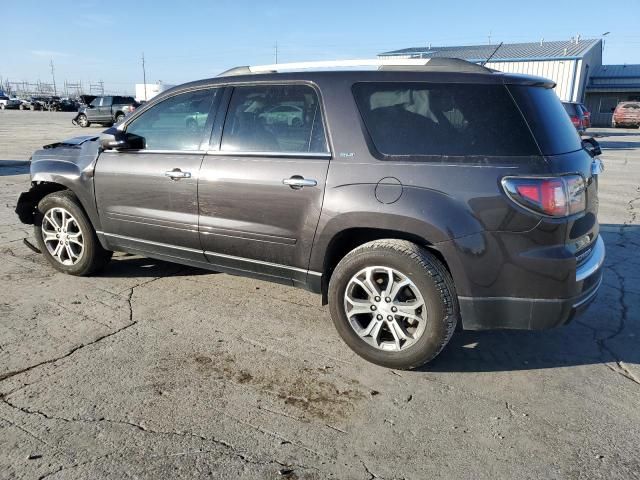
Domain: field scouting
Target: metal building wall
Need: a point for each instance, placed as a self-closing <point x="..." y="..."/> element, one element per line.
<point x="563" y="72"/>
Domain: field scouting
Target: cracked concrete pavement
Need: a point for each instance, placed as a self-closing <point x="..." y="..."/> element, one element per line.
<point x="154" y="370"/>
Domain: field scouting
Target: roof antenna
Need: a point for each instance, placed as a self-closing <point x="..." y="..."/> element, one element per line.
<point x="491" y="56"/>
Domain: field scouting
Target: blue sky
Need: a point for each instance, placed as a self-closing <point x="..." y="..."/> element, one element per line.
<point x="187" y="40"/>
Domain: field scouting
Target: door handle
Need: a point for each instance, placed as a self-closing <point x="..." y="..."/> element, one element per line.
<point x="297" y="182"/>
<point x="177" y="174"/>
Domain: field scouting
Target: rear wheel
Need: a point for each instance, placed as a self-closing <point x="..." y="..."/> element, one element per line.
<point x="66" y="237"/>
<point x="393" y="303"/>
<point x="119" y="117"/>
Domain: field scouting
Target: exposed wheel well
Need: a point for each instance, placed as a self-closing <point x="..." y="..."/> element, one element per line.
<point x="28" y="201"/>
<point x="349" y="239"/>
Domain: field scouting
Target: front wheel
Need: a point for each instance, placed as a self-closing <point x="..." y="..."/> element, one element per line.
<point x="66" y="237"/>
<point x="82" y="120"/>
<point x="393" y="303"/>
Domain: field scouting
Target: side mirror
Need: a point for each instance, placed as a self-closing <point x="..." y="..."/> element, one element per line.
<point x="591" y="146"/>
<point x="113" y="139"/>
<point x="109" y="141"/>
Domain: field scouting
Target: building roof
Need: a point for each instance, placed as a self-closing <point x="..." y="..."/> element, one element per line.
<point x="617" y="71"/>
<point x="508" y="52"/>
<point x="621" y="78"/>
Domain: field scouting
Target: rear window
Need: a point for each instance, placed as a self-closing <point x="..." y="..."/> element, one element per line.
<point x="548" y="120"/>
<point x="571" y="108"/>
<point x="417" y="118"/>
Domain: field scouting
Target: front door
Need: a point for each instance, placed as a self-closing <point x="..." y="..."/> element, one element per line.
<point x="261" y="191"/>
<point x="148" y="197"/>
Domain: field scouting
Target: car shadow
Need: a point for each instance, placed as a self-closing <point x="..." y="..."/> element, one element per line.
<point x="606" y="332"/>
<point x="13" y="167"/>
<point x="125" y="265"/>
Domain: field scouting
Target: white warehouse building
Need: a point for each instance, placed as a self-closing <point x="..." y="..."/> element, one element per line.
<point x="568" y="63"/>
<point x="145" y="92"/>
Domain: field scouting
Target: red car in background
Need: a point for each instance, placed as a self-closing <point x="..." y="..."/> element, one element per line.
<point x="626" y="114"/>
<point x="579" y="115"/>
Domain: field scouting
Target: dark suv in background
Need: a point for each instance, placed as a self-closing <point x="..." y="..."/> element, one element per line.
<point x="105" y="110"/>
<point x="411" y="197"/>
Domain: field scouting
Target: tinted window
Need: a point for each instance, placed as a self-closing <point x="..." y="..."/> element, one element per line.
<point x="443" y="119"/>
<point x="570" y="108"/>
<point x="177" y="123"/>
<point x="106" y="101"/>
<point x="549" y="122"/>
<point x="274" y="119"/>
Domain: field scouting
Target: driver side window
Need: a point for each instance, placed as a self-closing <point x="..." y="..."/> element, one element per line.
<point x="177" y="123"/>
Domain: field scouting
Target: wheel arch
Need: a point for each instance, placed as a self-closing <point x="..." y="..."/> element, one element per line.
<point x="346" y="240"/>
<point x="48" y="176"/>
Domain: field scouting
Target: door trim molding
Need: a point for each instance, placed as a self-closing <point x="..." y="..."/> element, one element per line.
<point x="213" y="254"/>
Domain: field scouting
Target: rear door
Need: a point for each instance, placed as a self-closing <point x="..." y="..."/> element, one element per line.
<point x="148" y="198"/>
<point x="262" y="182"/>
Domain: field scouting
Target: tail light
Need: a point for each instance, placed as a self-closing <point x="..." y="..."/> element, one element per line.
<point x="552" y="196"/>
<point x="575" y="120"/>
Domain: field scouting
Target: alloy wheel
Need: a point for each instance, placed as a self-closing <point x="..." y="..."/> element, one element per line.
<point x="385" y="308"/>
<point x="62" y="236"/>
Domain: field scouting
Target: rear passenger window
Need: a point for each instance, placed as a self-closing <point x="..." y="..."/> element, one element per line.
<point x="443" y="119"/>
<point x="274" y="118"/>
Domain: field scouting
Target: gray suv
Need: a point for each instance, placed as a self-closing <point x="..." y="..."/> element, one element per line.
<point x="105" y="110"/>
<point x="412" y="197"/>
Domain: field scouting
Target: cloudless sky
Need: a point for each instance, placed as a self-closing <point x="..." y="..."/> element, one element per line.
<point x="90" y="40"/>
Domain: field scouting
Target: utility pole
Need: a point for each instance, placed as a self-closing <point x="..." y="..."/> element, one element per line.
<point x="53" y="75"/>
<point x="276" y="51"/>
<point x="144" y="78"/>
<point x="489" y="37"/>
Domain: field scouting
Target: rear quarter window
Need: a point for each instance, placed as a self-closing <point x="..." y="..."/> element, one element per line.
<point x="433" y="119"/>
<point x="548" y="120"/>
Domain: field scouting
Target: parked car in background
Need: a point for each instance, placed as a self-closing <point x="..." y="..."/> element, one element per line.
<point x="13" y="104"/>
<point x="105" y="110"/>
<point x="373" y="199"/>
<point x="37" y="103"/>
<point x="3" y="101"/>
<point x="626" y="114"/>
<point x="579" y="115"/>
<point x="68" y="105"/>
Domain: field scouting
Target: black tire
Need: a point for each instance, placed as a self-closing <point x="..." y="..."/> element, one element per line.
<point x="119" y="117"/>
<point x="82" y="120"/>
<point x="431" y="278"/>
<point x="93" y="257"/>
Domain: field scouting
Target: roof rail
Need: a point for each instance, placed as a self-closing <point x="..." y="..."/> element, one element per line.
<point x="368" y="62"/>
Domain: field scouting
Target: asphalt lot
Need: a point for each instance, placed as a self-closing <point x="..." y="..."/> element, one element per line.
<point x="153" y="370"/>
